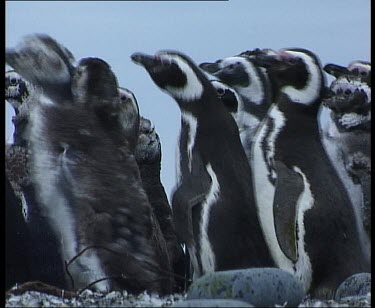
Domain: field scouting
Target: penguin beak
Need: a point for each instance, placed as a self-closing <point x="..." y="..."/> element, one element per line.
<point x="210" y="68"/>
<point x="147" y="61"/>
<point x="336" y="70"/>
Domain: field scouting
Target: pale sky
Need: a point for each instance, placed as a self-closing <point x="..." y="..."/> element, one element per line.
<point x="337" y="31"/>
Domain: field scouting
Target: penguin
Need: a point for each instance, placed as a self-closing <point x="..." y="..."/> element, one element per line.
<point x="209" y="220"/>
<point x="105" y="192"/>
<point x="305" y="211"/>
<point x="251" y="83"/>
<point x="347" y="139"/>
<point x="86" y="178"/>
<point x="41" y="254"/>
<point x="148" y="156"/>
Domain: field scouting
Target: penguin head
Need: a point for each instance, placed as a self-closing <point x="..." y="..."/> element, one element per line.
<point x="227" y="96"/>
<point x="130" y="106"/>
<point x="148" y="149"/>
<point x="175" y="74"/>
<point x="257" y="51"/>
<point x="350" y="102"/>
<point x="94" y="81"/>
<point x="129" y="115"/>
<point x="242" y="74"/>
<point x="356" y="69"/>
<point x="16" y="89"/>
<point x="295" y="72"/>
<point x="361" y="69"/>
<point x="41" y="60"/>
<point x="235" y="66"/>
<point x="234" y="71"/>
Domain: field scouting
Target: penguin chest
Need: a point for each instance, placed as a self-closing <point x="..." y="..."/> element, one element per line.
<point x="265" y="186"/>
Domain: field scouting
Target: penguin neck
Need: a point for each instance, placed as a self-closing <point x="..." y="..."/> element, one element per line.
<point x="257" y="96"/>
<point x="150" y="172"/>
<point x="201" y="105"/>
<point x="301" y="119"/>
<point x="257" y="110"/>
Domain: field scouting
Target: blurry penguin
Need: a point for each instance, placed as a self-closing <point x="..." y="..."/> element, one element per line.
<point x="347" y="136"/>
<point x="148" y="156"/>
<point x="43" y="256"/>
<point x="84" y="172"/>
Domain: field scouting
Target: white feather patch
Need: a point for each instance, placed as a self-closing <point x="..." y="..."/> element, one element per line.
<point x="191" y="123"/>
<point x="311" y="91"/>
<point x="207" y="255"/>
<point x="193" y="89"/>
<point x="178" y="163"/>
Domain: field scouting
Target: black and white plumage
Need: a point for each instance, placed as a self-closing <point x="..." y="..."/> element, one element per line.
<point x="148" y="156"/>
<point x="252" y="85"/>
<point x="346" y="134"/>
<point x="86" y="178"/>
<point x="43" y="256"/>
<point x="304" y="209"/>
<point x="17" y="241"/>
<point x="130" y="117"/>
<point x="213" y="202"/>
<point x="17" y="92"/>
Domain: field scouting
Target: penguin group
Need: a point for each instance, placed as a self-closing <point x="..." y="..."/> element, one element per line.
<point x="273" y="170"/>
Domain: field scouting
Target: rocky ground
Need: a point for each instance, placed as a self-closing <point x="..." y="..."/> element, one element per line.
<point x="253" y="287"/>
<point x="123" y="299"/>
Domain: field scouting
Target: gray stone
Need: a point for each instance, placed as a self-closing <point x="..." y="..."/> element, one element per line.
<point x="212" y="303"/>
<point x="356" y="285"/>
<point x="257" y="286"/>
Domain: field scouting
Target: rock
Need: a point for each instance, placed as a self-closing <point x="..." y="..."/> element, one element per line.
<point x="356" y="285"/>
<point x="257" y="286"/>
<point x="212" y="303"/>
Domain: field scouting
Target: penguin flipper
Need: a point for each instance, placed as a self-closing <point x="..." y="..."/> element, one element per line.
<point x="289" y="186"/>
<point x="182" y="207"/>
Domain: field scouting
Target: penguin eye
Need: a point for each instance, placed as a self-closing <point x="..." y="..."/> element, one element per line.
<point x="347" y="92"/>
<point x="220" y="92"/>
<point x="78" y="72"/>
<point x="294" y="60"/>
<point x="356" y="71"/>
<point x="124" y="99"/>
<point x="13" y="81"/>
<point x="231" y="66"/>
